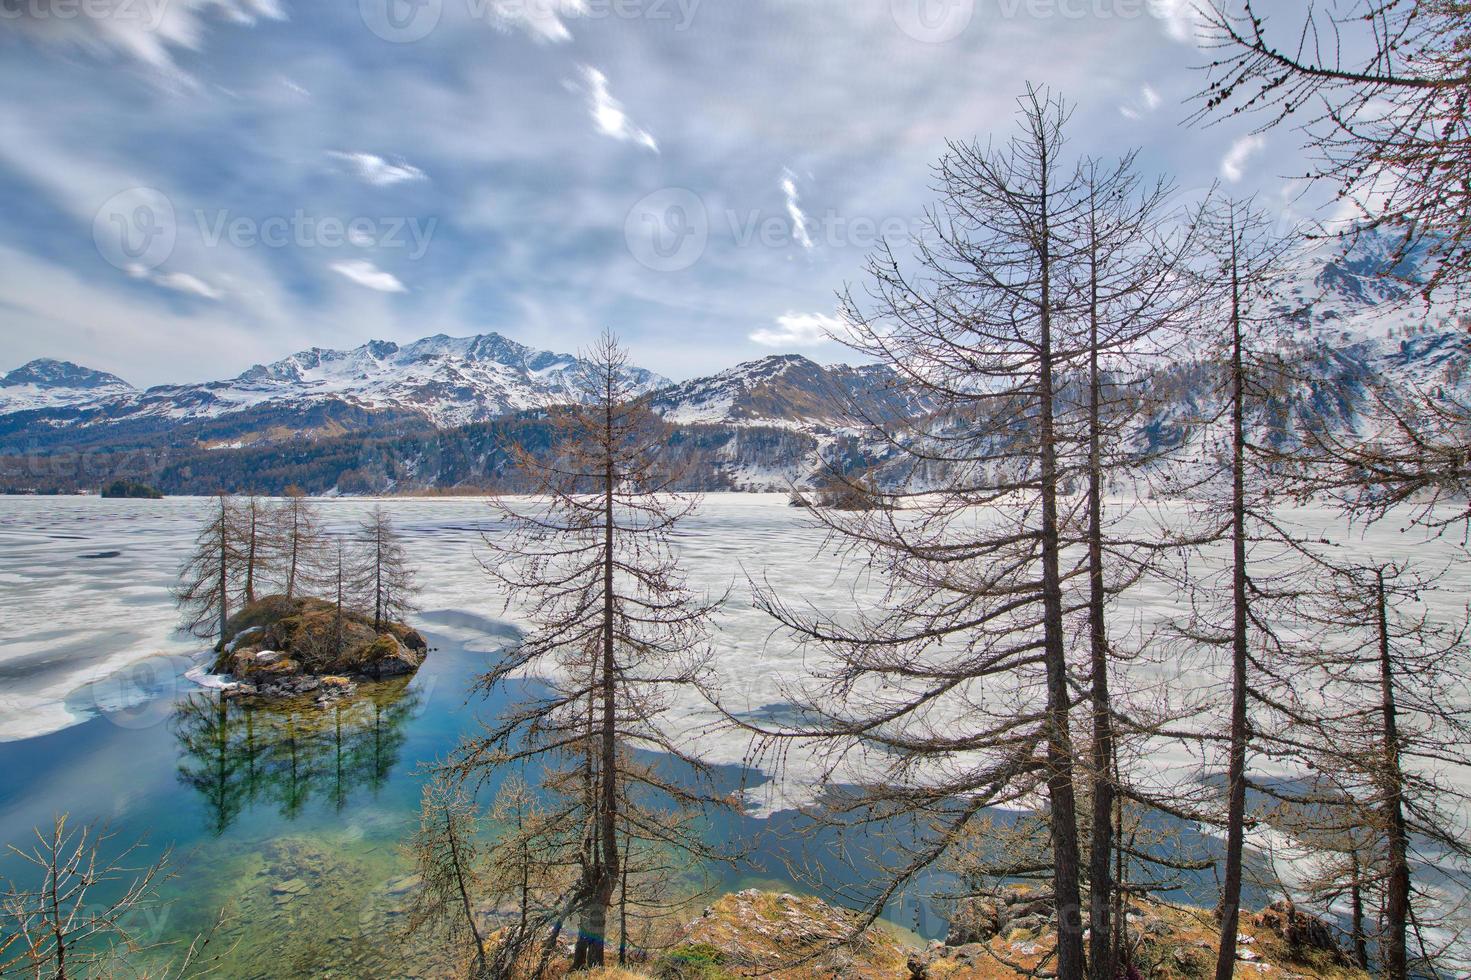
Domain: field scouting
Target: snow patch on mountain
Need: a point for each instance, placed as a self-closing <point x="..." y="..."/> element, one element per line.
<point x="48" y="383"/>
<point x="448" y="381"/>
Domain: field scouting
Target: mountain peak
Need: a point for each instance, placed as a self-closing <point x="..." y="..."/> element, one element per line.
<point x="47" y="372"/>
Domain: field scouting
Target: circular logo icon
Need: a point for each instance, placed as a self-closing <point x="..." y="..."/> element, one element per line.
<point x="933" y="21"/>
<point x="136" y="229"/>
<point x="401" y="21"/>
<point x="668" y="230"/>
<point x="143" y="693"/>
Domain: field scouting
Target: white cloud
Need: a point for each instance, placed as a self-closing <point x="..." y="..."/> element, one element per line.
<point x="1233" y="165"/>
<point x="608" y="114"/>
<point x="800" y="330"/>
<point x="794" y="209"/>
<point x="367" y="274"/>
<point x="1180" y="18"/>
<point x="542" y="19"/>
<point x="183" y="282"/>
<point x="179" y="282"/>
<point x="375" y="170"/>
<point x="1148" y="101"/>
<point x="148" y="31"/>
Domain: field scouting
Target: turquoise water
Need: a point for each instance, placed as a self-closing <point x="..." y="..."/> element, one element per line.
<point x="286" y="817"/>
<point x="251" y="798"/>
<point x="289" y="819"/>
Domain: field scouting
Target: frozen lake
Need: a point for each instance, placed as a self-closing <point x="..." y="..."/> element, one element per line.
<point x="97" y="718"/>
<point x="84" y="592"/>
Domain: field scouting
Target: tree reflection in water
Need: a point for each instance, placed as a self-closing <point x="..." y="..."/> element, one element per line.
<point x="238" y="753"/>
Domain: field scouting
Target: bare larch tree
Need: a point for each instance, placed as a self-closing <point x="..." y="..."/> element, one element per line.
<point x="589" y="564"/>
<point x="1239" y="598"/>
<point x="300" y="541"/>
<point x="950" y="692"/>
<point x="384" y="576"/>
<point x="1382" y="90"/>
<point x="207" y="583"/>
<point x="1387" y="717"/>
<point x="80" y="916"/>
<point x="1129" y="294"/>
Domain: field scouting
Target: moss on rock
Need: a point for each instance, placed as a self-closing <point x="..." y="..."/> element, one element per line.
<point x="278" y="637"/>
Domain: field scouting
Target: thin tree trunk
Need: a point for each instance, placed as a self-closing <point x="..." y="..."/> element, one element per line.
<point x="454" y="850"/>
<point x="378" y="579"/>
<point x="623" y="902"/>
<point x="1120" y="872"/>
<point x="224" y="574"/>
<point x="295" y="549"/>
<point x="1100" y="882"/>
<point x="1230" y="907"/>
<point x="1397" y="895"/>
<point x="57" y="929"/>
<point x="250" y="556"/>
<point x="610" y="871"/>
<point x="1064" y="816"/>
<point x="1356" y="901"/>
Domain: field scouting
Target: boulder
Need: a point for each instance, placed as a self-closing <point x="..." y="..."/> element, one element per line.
<point x="386" y="657"/>
<point x="1298" y="929"/>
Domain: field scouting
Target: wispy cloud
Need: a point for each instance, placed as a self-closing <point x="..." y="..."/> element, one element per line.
<point x="608" y="114"/>
<point x="179" y="282"/>
<point x="365" y="273"/>
<point x="542" y="20"/>
<point x="1148" y="101"/>
<point x="375" y="170"/>
<point x="1180" y="18"/>
<point x="800" y="330"/>
<point x="1233" y="165"/>
<point x="147" y="31"/>
<point x="794" y="209"/>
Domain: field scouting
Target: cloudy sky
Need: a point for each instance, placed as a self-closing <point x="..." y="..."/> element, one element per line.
<point x="194" y="186"/>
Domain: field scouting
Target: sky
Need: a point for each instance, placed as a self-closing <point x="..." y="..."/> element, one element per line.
<point x="191" y="187"/>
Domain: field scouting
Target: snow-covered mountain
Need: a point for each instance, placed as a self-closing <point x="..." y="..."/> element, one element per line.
<point x="436" y="382"/>
<point x="759" y="425"/>
<point x="47" y="383"/>
<point x="786" y="391"/>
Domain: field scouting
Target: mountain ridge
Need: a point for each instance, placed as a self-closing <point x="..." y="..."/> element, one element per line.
<point x="761" y="424"/>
